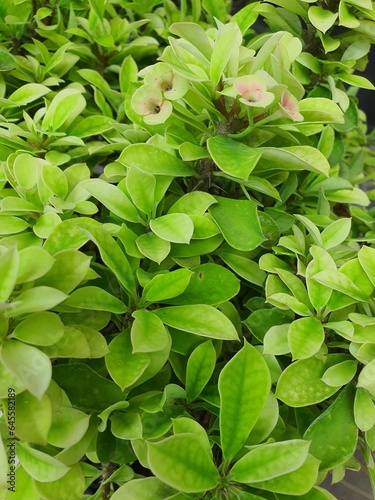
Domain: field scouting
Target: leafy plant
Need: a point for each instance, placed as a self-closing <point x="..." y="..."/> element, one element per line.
<point x="187" y="261"/>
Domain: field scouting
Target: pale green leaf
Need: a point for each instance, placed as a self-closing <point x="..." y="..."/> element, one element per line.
<point x="244" y="384"/>
<point x="175" y="228"/>
<point x="28" y="364"/>
<point x="305" y="337"/>
<point x="200" y="367"/>
<point x="39" y="465"/>
<point x="269" y="461"/>
<point x="300" y="383"/>
<point x="334" y="433"/>
<point x="238" y="221"/>
<point x="183" y="462"/>
<point x="148" y="332"/>
<point x="202" y="319"/>
<point x="232" y="157"/>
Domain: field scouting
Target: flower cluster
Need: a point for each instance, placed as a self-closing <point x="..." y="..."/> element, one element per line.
<point x="153" y="99"/>
<point x="262" y="91"/>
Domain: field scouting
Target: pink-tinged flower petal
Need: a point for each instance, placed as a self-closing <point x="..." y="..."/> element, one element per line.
<point x="260" y="101"/>
<point x="162" y="77"/>
<point x="253" y="91"/>
<point x="290" y="105"/>
<point x="249" y="85"/>
<point x="161" y="116"/>
<point x="179" y="88"/>
<point x="159" y="71"/>
<point x="146" y="99"/>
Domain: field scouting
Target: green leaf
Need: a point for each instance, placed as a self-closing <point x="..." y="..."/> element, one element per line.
<point x="232" y="157"/>
<point x="148" y="332"/>
<point x="183" y="425"/>
<point x="70" y="487"/>
<point x="7" y="380"/>
<point x="276" y="340"/>
<point x="106" y="392"/>
<point x="348" y="20"/>
<point x="66" y="235"/>
<point x="356" y="81"/>
<point x="340" y="374"/>
<point x="111" y="196"/>
<point x="320" y="110"/>
<point x="33" y="417"/>
<point x="12" y="225"/>
<point x="44" y="328"/>
<point x="139" y="489"/>
<point x="286" y="301"/>
<point x="246" y="268"/>
<point x="321" y="18"/>
<point x="39" y="465"/>
<point x="246" y="17"/>
<point x="338" y="281"/>
<point x="126" y="425"/>
<point x="238" y="221"/>
<point x="294" y="483"/>
<point x="203" y="320"/>
<point x="209" y="284"/>
<point x="72" y="345"/>
<point x="175" y="228"/>
<point x="153" y="247"/>
<point x="200" y="367"/>
<point x="204" y="227"/>
<point x="364" y="410"/>
<point x="269" y="461"/>
<point x="366" y="379"/>
<point x="55" y="180"/>
<point x="124" y="366"/>
<point x="294" y="158"/>
<point x="113" y="257"/>
<point x="36" y="299"/>
<point x="260" y="321"/>
<point x="300" y="383"/>
<point x="244" y="384"/>
<point x="225" y="45"/>
<point x="7" y="61"/>
<point x="322" y="261"/>
<point x="334" y="433"/>
<point x="28" y="364"/>
<point x="95" y="298"/>
<point x="194" y="203"/>
<point x="167" y="286"/>
<point x="34" y="263"/>
<point x="157" y="361"/>
<point x="69" y="269"/>
<point x="60" y="108"/>
<point x="183" y="462"/>
<point x="268" y="417"/>
<point x="305" y="337"/>
<point x="9" y="265"/>
<point x="197" y="247"/>
<point x="336" y="233"/>
<point x="91" y="125"/>
<point x="141" y="187"/>
<point x="4" y="466"/>
<point x="295" y="285"/>
<point x="366" y="257"/>
<point x="154" y="161"/>
<point x="194" y="34"/>
<point x="28" y="93"/>
<point x="69" y="425"/>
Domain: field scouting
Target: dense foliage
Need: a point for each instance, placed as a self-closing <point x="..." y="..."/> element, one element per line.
<point x="187" y="267"/>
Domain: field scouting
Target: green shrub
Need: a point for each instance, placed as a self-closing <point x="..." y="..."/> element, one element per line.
<point x="187" y="271"/>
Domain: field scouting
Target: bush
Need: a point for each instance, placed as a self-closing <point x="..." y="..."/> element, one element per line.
<point x="187" y="269"/>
